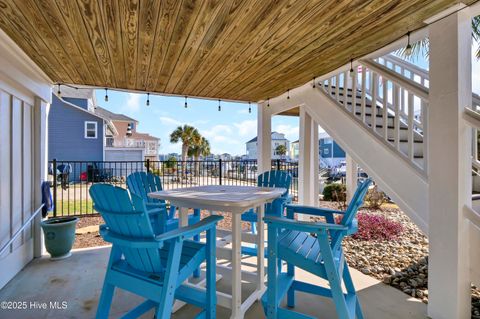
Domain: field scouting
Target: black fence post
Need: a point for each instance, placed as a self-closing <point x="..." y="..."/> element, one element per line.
<point x="220" y="170"/>
<point x="148" y="165"/>
<point x="54" y="173"/>
<point x="278" y="164"/>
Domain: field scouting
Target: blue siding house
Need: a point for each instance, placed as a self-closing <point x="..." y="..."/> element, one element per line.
<point x="331" y="154"/>
<point x="74" y="133"/>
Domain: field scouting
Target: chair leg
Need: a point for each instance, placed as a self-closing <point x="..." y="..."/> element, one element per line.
<point x="211" y="274"/>
<point x="333" y="276"/>
<point x="167" y="296"/>
<point x="272" y="290"/>
<point x="291" y="291"/>
<point x="105" y="301"/>
<point x="347" y="279"/>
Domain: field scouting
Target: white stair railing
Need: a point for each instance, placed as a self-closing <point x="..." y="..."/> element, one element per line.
<point x="391" y="106"/>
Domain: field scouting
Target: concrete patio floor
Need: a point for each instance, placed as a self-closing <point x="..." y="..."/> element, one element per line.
<point x="77" y="281"/>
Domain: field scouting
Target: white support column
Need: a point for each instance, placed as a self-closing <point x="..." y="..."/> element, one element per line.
<point x="40" y="153"/>
<point x="264" y="138"/>
<point x="305" y="158"/>
<point x="449" y="166"/>
<point x="314" y="165"/>
<point x="351" y="177"/>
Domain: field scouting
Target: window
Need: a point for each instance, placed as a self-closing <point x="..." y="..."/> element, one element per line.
<point x="90" y="129"/>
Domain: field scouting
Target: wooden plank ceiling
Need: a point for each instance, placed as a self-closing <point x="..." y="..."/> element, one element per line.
<point x="227" y="49"/>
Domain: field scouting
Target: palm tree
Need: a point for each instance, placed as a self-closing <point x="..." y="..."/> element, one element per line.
<point x="188" y="135"/>
<point x="423" y="46"/>
<point x="281" y="150"/>
<point x="201" y="148"/>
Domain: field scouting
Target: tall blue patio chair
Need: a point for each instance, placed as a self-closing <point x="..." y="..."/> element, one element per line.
<point x="152" y="266"/>
<point x="317" y="248"/>
<point x="163" y="219"/>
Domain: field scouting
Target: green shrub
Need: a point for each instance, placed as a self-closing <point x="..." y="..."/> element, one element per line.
<point x="335" y="192"/>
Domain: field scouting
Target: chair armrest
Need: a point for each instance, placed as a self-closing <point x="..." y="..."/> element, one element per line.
<point x="120" y="240"/>
<point x="301" y="225"/>
<point x="189" y="231"/>
<point x="309" y="210"/>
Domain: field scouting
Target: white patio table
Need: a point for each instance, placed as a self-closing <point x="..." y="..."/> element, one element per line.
<point x="235" y="200"/>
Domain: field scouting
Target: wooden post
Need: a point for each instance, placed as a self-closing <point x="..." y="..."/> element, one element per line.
<point x="264" y="139"/>
<point x="39" y="167"/>
<point x="351" y="177"/>
<point x="304" y="159"/>
<point x="449" y="169"/>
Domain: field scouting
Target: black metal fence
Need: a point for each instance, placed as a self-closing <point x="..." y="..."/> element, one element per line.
<point x="72" y="179"/>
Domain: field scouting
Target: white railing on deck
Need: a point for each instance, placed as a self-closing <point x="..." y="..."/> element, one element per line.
<point x="401" y="105"/>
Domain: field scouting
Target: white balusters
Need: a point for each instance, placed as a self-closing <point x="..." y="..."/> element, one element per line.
<point x="385" y="108"/>
<point x="373" y="112"/>
<point x="411" y="131"/>
<point x="364" y="92"/>
<point x="396" y="126"/>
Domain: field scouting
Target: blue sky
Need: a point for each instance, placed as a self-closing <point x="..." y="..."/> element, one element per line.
<point x="227" y="130"/>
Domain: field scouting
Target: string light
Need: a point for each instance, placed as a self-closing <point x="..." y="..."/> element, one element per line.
<point x="268" y="102"/>
<point x="351" y="67"/>
<point x="106" y="95"/>
<point x="288" y="94"/>
<point x="313" y="82"/>
<point x="219" y="106"/>
<point x="408" y="49"/>
<point x="148" y="99"/>
<point x="59" y="93"/>
<point x="186" y="103"/>
<point x="249" y="107"/>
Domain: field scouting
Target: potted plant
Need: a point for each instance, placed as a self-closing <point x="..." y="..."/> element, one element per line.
<point x="59" y="236"/>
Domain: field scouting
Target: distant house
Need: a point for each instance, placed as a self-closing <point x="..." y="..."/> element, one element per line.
<point x="79" y="130"/>
<point x="124" y="143"/>
<point x="330" y="153"/>
<point x="277" y="139"/>
<point x="75" y="132"/>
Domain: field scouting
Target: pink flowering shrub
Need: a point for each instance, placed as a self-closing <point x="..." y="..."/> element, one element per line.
<point x="376" y="227"/>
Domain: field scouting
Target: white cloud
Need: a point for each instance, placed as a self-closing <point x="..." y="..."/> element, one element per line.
<point x="133" y="102"/>
<point x="247" y="128"/>
<point x="218" y="133"/>
<point x="291" y="131"/>
<point x="242" y="111"/>
<point x="165" y="120"/>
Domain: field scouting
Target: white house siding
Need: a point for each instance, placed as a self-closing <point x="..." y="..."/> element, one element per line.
<point x="24" y="92"/>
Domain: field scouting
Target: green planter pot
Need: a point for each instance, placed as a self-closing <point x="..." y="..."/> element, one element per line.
<point x="59" y="236"/>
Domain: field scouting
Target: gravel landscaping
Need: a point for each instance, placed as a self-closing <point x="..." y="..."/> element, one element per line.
<point x="401" y="263"/>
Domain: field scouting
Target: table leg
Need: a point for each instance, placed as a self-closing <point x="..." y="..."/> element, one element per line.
<point x="183" y="214"/>
<point x="236" y="267"/>
<point x="260" y="251"/>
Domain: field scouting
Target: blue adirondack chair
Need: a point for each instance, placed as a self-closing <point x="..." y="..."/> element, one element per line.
<point x="152" y="266"/>
<point x="142" y="183"/>
<point x="273" y="178"/>
<point x="317" y="248"/>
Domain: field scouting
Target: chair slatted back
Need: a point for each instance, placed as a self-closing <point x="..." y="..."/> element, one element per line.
<point x="142" y="183"/>
<point x="274" y="178"/>
<point x="355" y="203"/>
<point x="125" y="215"/>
